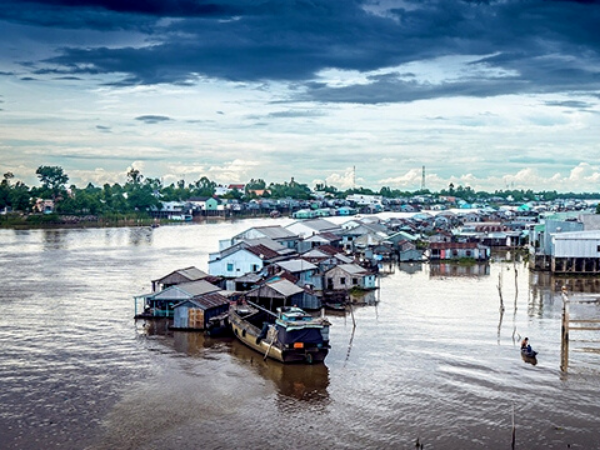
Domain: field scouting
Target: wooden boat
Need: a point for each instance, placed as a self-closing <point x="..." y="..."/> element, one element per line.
<point x="290" y="336"/>
<point x="528" y="352"/>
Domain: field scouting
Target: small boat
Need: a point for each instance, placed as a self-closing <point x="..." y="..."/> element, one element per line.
<point x="528" y="352"/>
<point x="289" y="336"/>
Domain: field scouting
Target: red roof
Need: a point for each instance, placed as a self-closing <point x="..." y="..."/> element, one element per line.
<point x="263" y="252"/>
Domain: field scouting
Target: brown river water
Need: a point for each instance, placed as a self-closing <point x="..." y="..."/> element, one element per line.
<point x="433" y="359"/>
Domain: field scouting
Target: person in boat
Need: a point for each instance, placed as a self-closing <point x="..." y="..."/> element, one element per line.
<point x="525" y="347"/>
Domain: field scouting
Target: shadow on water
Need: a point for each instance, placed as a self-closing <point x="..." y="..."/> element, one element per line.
<point x="410" y="268"/>
<point x="306" y="382"/>
<point x="54" y="239"/>
<point x="298" y="381"/>
<point x="459" y="270"/>
<point x="140" y="236"/>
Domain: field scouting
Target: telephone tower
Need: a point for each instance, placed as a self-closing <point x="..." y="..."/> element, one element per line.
<point x="423" y="179"/>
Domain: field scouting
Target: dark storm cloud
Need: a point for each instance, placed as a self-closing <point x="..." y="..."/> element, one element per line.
<point x="152" y="119"/>
<point x="549" y="45"/>
<point x="292" y="114"/>
<point x="576" y="104"/>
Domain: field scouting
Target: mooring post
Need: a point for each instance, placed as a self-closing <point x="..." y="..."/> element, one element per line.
<point x="514" y="430"/>
<point x="565" y="318"/>
<point x="564" y="341"/>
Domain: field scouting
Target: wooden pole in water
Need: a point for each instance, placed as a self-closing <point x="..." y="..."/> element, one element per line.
<point x="352" y="313"/>
<point x="564" y="341"/>
<point x="514" y="431"/>
<point x="500" y="290"/>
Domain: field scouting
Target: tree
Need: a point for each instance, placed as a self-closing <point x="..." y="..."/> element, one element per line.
<point x="53" y="179"/>
<point x="134" y="176"/>
<point x="204" y="187"/>
<point x="5" y="189"/>
<point x="20" y="197"/>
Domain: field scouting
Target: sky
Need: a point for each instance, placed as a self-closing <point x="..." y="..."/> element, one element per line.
<point x="491" y="94"/>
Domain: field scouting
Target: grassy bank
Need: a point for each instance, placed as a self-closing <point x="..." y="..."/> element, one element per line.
<point x="22" y="221"/>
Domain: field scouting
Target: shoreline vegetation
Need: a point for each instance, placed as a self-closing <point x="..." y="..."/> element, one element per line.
<point x="140" y="197"/>
<point x="18" y="221"/>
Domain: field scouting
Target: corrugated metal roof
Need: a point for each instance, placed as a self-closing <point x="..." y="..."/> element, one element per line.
<point x="192" y="273"/>
<point x="263" y="252"/>
<point x="353" y="269"/>
<point x="196" y="288"/>
<point x="578" y="235"/>
<point x="249" y="278"/>
<point x="276" y="232"/>
<point x="207" y="301"/>
<point x="285" y="287"/>
<point x="296" y="265"/>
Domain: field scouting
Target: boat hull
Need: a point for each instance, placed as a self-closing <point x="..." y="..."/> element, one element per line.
<point x="248" y="334"/>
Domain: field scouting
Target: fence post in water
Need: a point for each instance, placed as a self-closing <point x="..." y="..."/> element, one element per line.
<point x="514" y="432"/>
<point x="564" y="341"/>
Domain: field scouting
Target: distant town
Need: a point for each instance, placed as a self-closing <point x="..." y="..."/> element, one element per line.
<point x="146" y="200"/>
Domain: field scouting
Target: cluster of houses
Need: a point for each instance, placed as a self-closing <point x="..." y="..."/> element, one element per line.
<point x="317" y="263"/>
<point x="309" y="263"/>
<point x="322" y="205"/>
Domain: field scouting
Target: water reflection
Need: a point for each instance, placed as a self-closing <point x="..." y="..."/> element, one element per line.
<point x="529" y="359"/>
<point x="54" y="239"/>
<point x="297" y="381"/>
<point x="458" y="270"/>
<point x="140" y="236"/>
<point x="410" y="267"/>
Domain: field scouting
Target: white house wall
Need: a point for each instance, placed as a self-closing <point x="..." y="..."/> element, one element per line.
<point x="235" y="265"/>
<point x="576" y="248"/>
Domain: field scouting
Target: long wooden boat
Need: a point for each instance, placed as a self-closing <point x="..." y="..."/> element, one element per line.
<point x="290" y="336"/>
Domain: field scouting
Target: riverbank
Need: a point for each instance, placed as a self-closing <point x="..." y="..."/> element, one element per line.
<point x="51" y="221"/>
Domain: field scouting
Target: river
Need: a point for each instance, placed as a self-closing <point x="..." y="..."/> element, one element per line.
<point x="433" y="359"/>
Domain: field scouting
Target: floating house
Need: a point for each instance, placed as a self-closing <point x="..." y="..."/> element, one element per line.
<point x="178" y="277"/>
<point x="282" y="292"/>
<point x="306" y="272"/>
<point x="160" y="304"/>
<point x="306" y="228"/>
<point x="196" y="313"/>
<point x="276" y="233"/>
<point x="347" y="276"/>
<point x="576" y="252"/>
<point x="242" y="261"/>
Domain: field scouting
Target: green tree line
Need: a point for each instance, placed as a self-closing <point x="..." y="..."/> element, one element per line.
<point x="141" y="194"/>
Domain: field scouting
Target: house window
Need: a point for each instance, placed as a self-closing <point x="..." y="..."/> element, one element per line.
<point x="229" y="267"/>
<point x="254" y="267"/>
<point x="598" y="248"/>
<point x="343" y="281"/>
<point x="354" y="281"/>
<point x="468" y="252"/>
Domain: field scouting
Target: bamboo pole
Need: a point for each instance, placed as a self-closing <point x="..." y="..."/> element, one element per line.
<point x="564" y="341"/>
<point x="352" y="313"/>
<point x="514" y="430"/>
<point x="500" y="290"/>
